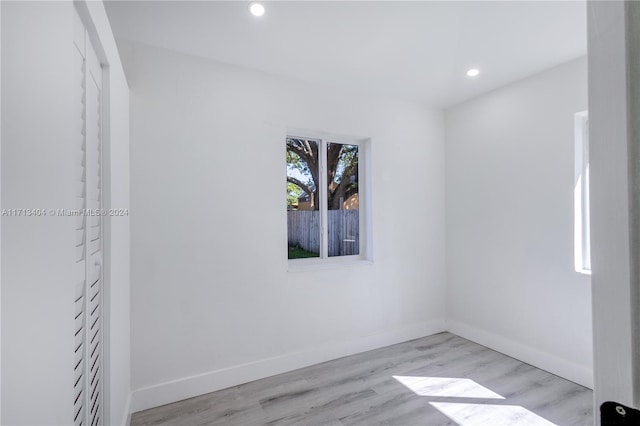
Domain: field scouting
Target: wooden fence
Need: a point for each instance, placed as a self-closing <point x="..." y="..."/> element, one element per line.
<point x="303" y="229"/>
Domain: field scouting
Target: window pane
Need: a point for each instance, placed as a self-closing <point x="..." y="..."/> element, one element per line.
<point x="582" y="238"/>
<point x="586" y="221"/>
<point x="303" y="215"/>
<point x="343" y="220"/>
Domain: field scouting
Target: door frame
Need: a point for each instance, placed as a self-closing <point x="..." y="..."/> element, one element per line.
<point x="614" y="126"/>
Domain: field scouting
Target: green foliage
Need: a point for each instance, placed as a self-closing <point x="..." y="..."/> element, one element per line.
<point x="301" y="167"/>
<point x="293" y="192"/>
<point x="303" y="171"/>
<point x="296" y="252"/>
<point x="347" y="162"/>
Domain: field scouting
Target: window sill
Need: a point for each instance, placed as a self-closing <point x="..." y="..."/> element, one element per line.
<point x="322" y="264"/>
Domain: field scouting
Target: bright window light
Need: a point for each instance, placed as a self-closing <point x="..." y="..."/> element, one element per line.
<point x="473" y="72"/>
<point x="326" y="199"/>
<point x="582" y="233"/>
<point x="256" y="9"/>
<point x="446" y="387"/>
<point x="489" y="414"/>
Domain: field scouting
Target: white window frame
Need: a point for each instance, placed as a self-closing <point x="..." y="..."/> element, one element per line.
<point x="364" y="200"/>
<point x="582" y="232"/>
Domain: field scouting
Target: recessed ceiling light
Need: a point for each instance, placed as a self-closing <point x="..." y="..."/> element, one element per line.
<point x="256" y="9"/>
<point x="473" y="72"/>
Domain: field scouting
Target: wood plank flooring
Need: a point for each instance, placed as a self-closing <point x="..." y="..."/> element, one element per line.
<point x="437" y="380"/>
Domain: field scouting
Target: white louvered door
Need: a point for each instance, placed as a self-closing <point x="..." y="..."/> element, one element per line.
<point x="93" y="225"/>
<point x="88" y="370"/>
<point x="81" y="264"/>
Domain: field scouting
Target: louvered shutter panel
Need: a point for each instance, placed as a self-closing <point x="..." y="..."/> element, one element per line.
<point x="80" y="378"/>
<point x="94" y="239"/>
<point x="79" y="359"/>
<point x="88" y="369"/>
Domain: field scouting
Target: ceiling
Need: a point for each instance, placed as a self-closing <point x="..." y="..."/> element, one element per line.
<point x="414" y="50"/>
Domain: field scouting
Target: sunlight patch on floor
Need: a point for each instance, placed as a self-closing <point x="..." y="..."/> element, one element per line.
<point x="470" y="414"/>
<point x="488" y="414"/>
<point x="446" y="387"/>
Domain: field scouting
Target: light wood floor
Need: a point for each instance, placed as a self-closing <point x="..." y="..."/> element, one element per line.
<point x="437" y="380"/>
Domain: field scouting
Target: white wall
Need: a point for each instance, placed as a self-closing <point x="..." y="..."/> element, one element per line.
<point x="119" y="255"/>
<point x="511" y="283"/>
<point x="212" y="302"/>
<point x="41" y="95"/>
<point x="39" y="133"/>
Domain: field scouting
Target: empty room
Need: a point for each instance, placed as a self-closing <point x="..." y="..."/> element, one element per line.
<point x="320" y="213"/>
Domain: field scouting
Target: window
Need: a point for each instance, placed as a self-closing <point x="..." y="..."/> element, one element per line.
<point x="325" y="201"/>
<point x="582" y="236"/>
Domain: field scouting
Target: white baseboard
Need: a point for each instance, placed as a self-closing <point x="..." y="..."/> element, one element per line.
<point x="560" y="367"/>
<point x="188" y="387"/>
<point x="126" y="416"/>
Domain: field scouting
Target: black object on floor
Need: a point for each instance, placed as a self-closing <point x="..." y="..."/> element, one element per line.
<point x="614" y="414"/>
